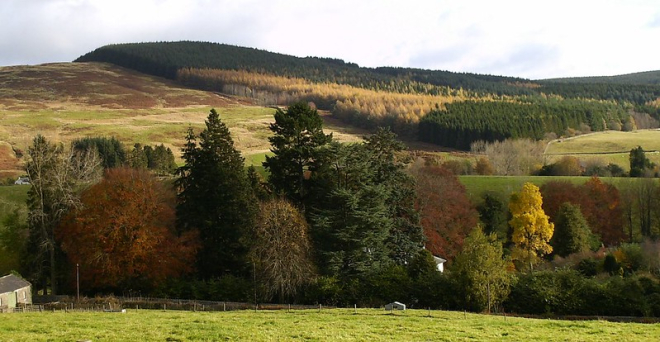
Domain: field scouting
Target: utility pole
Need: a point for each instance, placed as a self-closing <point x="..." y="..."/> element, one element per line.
<point x="254" y="278"/>
<point x="78" y="282"/>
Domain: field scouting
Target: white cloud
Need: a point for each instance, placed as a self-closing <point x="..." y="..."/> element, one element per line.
<point x="534" y="39"/>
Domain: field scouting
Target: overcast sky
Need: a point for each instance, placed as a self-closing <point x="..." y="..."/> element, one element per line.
<point x="526" y="38"/>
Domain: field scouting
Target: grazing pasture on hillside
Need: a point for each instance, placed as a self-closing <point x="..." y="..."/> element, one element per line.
<point x="328" y="324"/>
<point x="606" y="147"/>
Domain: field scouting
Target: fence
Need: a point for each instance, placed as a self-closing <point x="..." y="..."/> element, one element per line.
<point x="65" y="303"/>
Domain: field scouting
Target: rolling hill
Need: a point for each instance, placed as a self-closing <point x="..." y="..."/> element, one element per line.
<point x="647" y="77"/>
<point x="445" y="108"/>
<point x="66" y="101"/>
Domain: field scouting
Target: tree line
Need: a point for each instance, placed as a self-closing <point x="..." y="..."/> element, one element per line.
<point x="460" y="124"/>
<point x="338" y="224"/>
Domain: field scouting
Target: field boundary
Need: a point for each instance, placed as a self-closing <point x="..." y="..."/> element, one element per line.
<point x="106" y="304"/>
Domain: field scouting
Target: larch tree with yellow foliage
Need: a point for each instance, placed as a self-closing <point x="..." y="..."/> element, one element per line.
<point x="531" y="228"/>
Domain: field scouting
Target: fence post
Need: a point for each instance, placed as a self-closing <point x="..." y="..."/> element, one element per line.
<point x="355" y="307"/>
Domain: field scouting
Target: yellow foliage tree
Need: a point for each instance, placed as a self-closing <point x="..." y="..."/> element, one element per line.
<point x="531" y="228"/>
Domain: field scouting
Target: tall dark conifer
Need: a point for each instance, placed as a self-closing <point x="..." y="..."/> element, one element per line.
<point x="298" y="133"/>
<point x="215" y="198"/>
<point x="388" y="163"/>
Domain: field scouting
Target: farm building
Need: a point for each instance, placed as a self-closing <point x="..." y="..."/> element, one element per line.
<point x="22" y="181"/>
<point x="13" y="292"/>
<point x="440" y="263"/>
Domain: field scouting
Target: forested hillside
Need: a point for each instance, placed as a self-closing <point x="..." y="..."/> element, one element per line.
<point x="647" y="77"/>
<point x="464" y="107"/>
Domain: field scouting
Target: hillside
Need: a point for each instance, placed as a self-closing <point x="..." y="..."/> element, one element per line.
<point x="463" y="107"/>
<point x="65" y="101"/>
<point x="167" y="58"/>
<point x="647" y="77"/>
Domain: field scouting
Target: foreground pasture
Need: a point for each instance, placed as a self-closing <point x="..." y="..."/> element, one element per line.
<point x="329" y="324"/>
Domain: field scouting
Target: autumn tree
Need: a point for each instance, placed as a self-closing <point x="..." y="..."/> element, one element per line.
<point x="215" y="198"/>
<point x="447" y="215"/>
<point x="602" y="207"/>
<point x="298" y="133"/>
<point x="572" y="233"/>
<point x="555" y="193"/>
<point x="54" y="173"/>
<point x="481" y="271"/>
<point x="531" y="228"/>
<point x="512" y="156"/>
<point x="281" y="249"/>
<point x="484" y="167"/>
<point x="124" y="236"/>
<point x="599" y="203"/>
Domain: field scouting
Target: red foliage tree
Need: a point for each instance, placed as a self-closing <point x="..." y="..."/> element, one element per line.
<point x="599" y="204"/>
<point x="556" y="193"/>
<point x="124" y="233"/>
<point x="604" y="212"/>
<point x="447" y="214"/>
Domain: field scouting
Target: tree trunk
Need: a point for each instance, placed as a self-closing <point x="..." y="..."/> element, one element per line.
<point x="53" y="273"/>
<point x="488" y="290"/>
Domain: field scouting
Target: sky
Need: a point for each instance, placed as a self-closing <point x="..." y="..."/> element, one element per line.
<point x="524" y="38"/>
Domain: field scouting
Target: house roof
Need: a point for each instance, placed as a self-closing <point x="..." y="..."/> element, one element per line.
<point x="439" y="260"/>
<point x="10" y="283"/>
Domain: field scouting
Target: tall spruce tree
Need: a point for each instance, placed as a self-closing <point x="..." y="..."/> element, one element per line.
<point x="572" y="233"/>
<point x="351" y="222"/>
<point x="215" y="198"/>
<point x="388" y="164"/>
<point x="298" y="133"/>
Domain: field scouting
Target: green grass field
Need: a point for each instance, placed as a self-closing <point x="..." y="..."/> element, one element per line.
<point x="606" y="147"/>
<point x="330" y="324"/>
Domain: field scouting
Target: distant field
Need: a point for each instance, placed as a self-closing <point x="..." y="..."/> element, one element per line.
<point x="329" y="324"/>
<point x="607" y="147"/>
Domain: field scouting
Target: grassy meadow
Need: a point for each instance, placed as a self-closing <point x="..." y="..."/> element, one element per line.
<point x="329" y="324"/>
<point x="67" y="101"/>
<point x="606" y="147"/>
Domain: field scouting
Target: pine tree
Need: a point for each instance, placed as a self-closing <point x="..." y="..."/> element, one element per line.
<point x="298" y="133"/>
<point x="388" y="164"/>
<point x="572" y="233"/>
<point x="351" y="222"/>
<point x="215" y="198"/>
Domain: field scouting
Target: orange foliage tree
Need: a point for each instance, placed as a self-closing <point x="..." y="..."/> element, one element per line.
<point x="599" y="203"/>
<point x="447" y="215"/>
<point x="123" y="236"/>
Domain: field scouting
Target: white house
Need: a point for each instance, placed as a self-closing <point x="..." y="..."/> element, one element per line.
<point x="22" y="181"/>
<point x="395" y="306"/>
<point x="439" y="263"/>
<point x="13" y="292"/>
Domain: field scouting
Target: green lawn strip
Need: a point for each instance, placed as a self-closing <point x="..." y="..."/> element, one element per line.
<point x="608" y="141"/>
<point x="329" y="324"/>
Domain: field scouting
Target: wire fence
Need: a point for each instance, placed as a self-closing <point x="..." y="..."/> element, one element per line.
<point x="116" y="304"/>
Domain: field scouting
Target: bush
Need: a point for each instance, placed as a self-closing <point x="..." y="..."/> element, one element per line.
<point x="588" y="267"/>
<point x="548" y="292"/>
